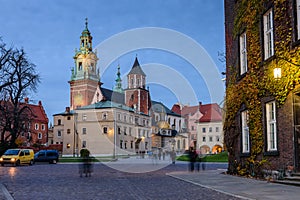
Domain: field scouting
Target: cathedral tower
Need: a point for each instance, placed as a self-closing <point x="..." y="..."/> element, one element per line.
<point x="136" y="95"/>
<point x="85" y="77"/>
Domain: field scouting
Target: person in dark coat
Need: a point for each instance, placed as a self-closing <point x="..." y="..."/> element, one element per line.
<point x="192" y="156"/>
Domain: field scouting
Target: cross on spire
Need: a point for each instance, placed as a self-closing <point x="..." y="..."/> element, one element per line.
<point x="86" y="22"/>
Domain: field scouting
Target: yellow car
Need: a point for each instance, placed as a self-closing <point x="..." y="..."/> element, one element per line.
<point x="17" y="157"/>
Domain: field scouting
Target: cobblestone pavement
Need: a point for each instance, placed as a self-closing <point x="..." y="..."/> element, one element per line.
<point x="62" y="181"/>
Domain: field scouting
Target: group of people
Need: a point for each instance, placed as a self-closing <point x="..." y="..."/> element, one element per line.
<point x="196" y="160"/>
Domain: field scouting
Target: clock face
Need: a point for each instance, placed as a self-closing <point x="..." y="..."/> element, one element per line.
<point x="78" y="100"/>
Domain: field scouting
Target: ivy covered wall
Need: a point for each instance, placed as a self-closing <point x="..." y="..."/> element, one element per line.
<point x="258" y="84"/>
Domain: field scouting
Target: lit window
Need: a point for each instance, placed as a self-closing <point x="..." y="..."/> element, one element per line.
<point x="245" y="132"/>
<point x="268" y="34"/>
<point x="243" y="53"/>
<point x="271" y="126"/>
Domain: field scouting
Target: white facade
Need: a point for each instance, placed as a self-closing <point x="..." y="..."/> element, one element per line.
<point x="210" y="137"/>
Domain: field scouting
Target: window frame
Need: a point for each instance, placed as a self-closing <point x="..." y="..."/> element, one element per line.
<point x="245" y="131"/>
<point x="268" y="33"/>
<point x="243" y="53"/>
<point x="271" y="127"/>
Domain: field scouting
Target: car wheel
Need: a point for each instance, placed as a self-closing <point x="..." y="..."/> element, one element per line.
<point x="54" y="161"/>
<point x="17" y="163"/>
<point x="31" y="162"/>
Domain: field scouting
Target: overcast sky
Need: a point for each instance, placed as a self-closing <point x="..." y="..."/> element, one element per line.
<point x="49" y="31"/>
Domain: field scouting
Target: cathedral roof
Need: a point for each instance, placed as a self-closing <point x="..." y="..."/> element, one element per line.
<point x="106" y="104"/>
<point x="136" y="68"/>
<point x="157" y="106"/>
<point x="113" y="96"/>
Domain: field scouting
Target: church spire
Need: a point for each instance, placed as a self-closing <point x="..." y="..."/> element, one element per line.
<point x="118" y="86"/>
<point x="86" y="39"/>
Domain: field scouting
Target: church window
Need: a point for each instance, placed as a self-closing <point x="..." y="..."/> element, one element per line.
<point x="80" y="66"/>
<point x="82" y="43"/>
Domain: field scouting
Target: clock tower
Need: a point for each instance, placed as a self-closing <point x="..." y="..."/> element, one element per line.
<point x="85" y="78"/>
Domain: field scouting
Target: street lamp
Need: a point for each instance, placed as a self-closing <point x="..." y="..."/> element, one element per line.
<point x="277" y="73"/>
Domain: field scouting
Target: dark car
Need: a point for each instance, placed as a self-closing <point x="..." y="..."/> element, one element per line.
<point x="50" y="156"/>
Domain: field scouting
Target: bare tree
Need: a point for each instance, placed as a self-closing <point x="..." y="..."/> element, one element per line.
<point x="18" y="78"/>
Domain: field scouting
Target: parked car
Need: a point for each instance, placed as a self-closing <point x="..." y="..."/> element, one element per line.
<point x="17" y="157"/>
<point x="50" y="156"/>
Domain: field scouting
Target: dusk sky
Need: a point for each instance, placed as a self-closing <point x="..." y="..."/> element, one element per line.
<point x="49" y="32"/>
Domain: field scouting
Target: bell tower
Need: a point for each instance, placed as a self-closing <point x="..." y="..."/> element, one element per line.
<point x="136" y="95"/>
<point x="85" y="78"/>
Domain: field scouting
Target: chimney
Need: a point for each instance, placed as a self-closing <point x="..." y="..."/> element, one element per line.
<point x="26" y="99"/>
<point x="67" y="109"/>
<point x="200" y="104"/>
<point x="40" y="103"/>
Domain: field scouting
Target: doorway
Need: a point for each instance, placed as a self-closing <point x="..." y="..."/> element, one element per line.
<point x="296" y="108"/>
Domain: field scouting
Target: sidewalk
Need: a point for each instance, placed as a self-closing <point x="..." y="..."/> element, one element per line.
<point x="244" y="188"/>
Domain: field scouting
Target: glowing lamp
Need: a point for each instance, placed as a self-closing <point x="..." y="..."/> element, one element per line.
<point x="277" y="73"/>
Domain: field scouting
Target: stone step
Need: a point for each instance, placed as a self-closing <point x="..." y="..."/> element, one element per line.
<point x="296" y="174"/>
<point x="288" y="182"/>
<point x="292" y="178"/>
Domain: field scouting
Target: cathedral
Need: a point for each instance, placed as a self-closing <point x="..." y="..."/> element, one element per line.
<point x="106" y="122"/>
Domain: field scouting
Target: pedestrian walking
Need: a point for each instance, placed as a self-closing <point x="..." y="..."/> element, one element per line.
<point x="192" y="158"/>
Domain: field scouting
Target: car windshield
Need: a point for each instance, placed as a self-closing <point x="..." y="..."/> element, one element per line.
<point x="11" y="152"/>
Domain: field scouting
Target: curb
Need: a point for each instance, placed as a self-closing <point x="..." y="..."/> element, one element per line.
<point x="5" y="193"/>
<point x="208" y="187"/>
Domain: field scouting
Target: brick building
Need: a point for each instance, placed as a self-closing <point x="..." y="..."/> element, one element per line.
<point x="261" y="125"/>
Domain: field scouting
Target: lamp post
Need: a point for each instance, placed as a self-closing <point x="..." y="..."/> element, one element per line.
<point x="115" y="134"/>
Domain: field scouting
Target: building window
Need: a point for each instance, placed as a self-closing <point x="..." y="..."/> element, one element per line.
<point x="210" y="138"/>
<point x="79" y="66"/>
<point x="68" y="118"/>
<point x="271" y="126"/>
<point x="84" y="117"/>
<point x="119" y="116"/>
<point x="298" y="18"/>
<point x="105" y="130"/>
<point x="245" y="132"/>
<point x="125" y="145"/>
<point x="268" y="34"/>
<point x="40" y="135"/>
<point x="210" y="129"/>
<point x="43" y="127"/>
<point x="58" y="133"/>
<point x="68" y="131"/>
<point x="203" y="139"/>
<point x="119" y="130"/>
<point x="125" y="130"/>
<point x="203" y="130"/>
<point x="84" y="144"/>
<point x="217" y="138"/>
<point x="121" y="144"/>
<point x="83" y="131"/>
<point x="243" y="53"/>
<point x="59" y="122"/>
<point x="104" y="116"/>
<point x="131" y="144"/>
<point x="36" y="126"/>
<point x="130" y="131"/>
<point x="193" y="128"/>
<point x="217" y="129"/>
